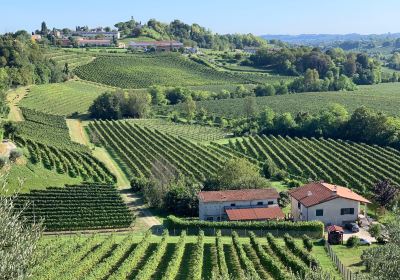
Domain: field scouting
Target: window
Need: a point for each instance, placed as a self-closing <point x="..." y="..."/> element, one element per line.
<point x="260" y="203"/>
<point x="347" y="211"/>
<point x="210" y="219"/>
<point x="233" y="204"/>
<point x="298" y="205"/>
<point x="270" y="202"/>
<point x="319" y="212"/>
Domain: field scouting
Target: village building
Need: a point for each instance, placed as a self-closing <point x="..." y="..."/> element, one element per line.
<point x="112" y="35"/>
<point x="157" y="45"/>
<point x="251" y="50"/>
<point x="63" y="42"/>
<point x="93" y="42"/>
<point x="240" y="205"/>
<point x="328" y="203"/>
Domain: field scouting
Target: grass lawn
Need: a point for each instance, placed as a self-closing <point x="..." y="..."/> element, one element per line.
<point x="35" y="177"/>
<point x="351" y="257"/>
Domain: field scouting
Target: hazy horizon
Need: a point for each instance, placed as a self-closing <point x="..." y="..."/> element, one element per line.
<point x="255" y="16"/>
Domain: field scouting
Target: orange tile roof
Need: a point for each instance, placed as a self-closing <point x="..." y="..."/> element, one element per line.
<point x="334" y="228"/>
<point x="253" y="214"/>
<point x="317" y="192"/>
<point x="238" y="195"/>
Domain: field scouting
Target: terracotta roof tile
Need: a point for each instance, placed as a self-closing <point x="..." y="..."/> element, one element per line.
<point x="317" y="192"/>
<point x="238" y="195"/>
<point x="253" y="214"/>
<point x="334" y="228"/>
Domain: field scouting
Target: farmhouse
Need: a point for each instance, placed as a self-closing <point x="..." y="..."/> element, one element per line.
<point x="93" y="42"/>
<point x="157" y="45"/>
<point x="239" y="205"/>
<point x="98" y="34"/>
<point x="325" y="202"/>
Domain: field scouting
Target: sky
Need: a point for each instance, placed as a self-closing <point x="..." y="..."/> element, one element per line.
<point x="222" y="16"/>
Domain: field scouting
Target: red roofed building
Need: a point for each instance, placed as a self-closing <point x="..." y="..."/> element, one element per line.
<point x="328" y="203"/>
<point x="251" y="204"/>
<point x="255" y="214"/>
<point x="93" y="42"/>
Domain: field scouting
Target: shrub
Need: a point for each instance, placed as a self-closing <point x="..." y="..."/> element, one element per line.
<point x="353" y="242"/>
<point x="3" y="161"/>
<point x="314" y="228"/>
<point x="292" y="183"/>
<point x="14" y="154"/>
<point x="375" y="230"/>
<point x="307" y="242"/>
<point x="138" y="184"/>
<point x="283" y="199"/>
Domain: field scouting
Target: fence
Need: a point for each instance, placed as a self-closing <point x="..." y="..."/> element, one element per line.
<point x="344" y="271"/>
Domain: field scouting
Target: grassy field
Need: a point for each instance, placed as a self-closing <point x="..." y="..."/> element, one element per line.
<point x="137" y="39"/>
<point x="351" y="257"/>
<point x="382" y="97"/>
<point x="144" y="70"/>
<point x="126" y="256"/>
<point x="63" y="98"/>
<point x="23" y="177"/>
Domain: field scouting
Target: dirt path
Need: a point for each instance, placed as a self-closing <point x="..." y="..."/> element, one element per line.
<point x="102" y="154"/>
<point x="6" y="148"/>
<point x="144" y="218"/>
<point x="76" y="131"/>
<point x="13" y="98"/>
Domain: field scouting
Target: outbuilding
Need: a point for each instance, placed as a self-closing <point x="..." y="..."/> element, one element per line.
<point x="240" y="205"/>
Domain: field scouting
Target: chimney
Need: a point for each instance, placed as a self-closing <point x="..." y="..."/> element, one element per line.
<point x="309" y="193"/>
<point x="334" y="190"/>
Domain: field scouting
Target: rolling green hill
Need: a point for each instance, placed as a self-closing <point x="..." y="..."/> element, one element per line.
<point x="144" y="70"/>
<point x="381" y="97"/>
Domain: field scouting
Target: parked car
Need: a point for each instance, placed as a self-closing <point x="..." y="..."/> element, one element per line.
<point x="365" y="242"/>
<point x="353" y="227"/>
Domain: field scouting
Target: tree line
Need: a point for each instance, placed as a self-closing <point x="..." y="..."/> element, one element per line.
<point x="190" y="35"/>
<point x="331" y="64"/>
<point x="22" y="62"/>
<point x="363" y="125"/>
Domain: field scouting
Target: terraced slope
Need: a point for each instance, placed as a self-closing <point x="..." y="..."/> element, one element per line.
<point x="197" y="133"/>
<point x="63" y="99"/>
<point x="345" y="163"/>
<point x="144" y="70"/>
<point x="89" y="206"/>
<point x="138" y="149"/>
<point x="185" y="257"/>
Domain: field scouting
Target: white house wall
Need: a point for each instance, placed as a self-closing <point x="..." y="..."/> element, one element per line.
<point x="331" y="208"/>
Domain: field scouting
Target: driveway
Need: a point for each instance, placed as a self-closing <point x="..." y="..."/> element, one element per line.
<point x="363" y="233"/>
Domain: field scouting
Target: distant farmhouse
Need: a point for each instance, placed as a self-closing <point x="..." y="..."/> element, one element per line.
<point x="93" y="42"/>
<point x="251" y="50"/>
<point x="112" y="35"/>
<point x="157" y="45"/>
<point x="240" y="205"/>
<point x="327" y="203"/>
